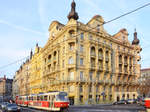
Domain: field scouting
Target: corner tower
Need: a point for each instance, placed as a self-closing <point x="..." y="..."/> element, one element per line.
<point x="73" y="14"/>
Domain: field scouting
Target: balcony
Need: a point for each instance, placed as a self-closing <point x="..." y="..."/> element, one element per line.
<point x="112" y="82"/>
<point x="125" y="71"/>
<point x="100" y="57"/>
<point x="107" y="69"/>
<point x="100" y="67"/>
<point x="48" y="61"/>
<point x="106" y="82"/>
<point x="107" y="59"/>
<point x="54" y="59"/>
<point x="120" y="72"/>
<point x="93" y="55"/>
<point x="120" y="62"/>
<point x="81" y="80"/>
<point x="92" y="66"/>
<point x="99" y="81"/>
<point x="125" y="63"/>
<point x="71" y="66"/>
<point x="119" y="82"/>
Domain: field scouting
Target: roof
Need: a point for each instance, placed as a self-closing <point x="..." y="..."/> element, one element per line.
<point x="145" y="69"/>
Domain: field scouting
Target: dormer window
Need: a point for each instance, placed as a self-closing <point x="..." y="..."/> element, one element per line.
<point x="98" y="28"/>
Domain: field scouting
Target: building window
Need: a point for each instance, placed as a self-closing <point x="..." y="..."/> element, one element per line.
<point x="97" y="89"/>
<point x="71" y="46"/>
<point x="90" y="88"/>
<point x="71" y="88"/>
<point x="81" y="75"/>
<point x="82" y="36"/>
<point x="98" y="28"/>
<point x="81" y="48"/>
<point x="81" y="61"/>
<point x="71" y="60"/>
<point x="90" y="75"/>
<point x="71" y="75"/>
<point x="90" y="37"/>
<point x="118" y="47"/>
<point x="98" y="39"/>
<point x="63" y="76"/>
<point x="63" y="63"/>
<point x="81" y="89"/>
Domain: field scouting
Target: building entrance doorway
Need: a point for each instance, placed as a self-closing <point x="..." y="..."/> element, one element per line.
<point x="71" y="100"/>
<point x="118" y="98"/>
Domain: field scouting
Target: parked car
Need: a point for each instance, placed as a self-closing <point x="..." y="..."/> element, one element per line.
<point x="131" y="101"/>
<point x="120" y="102"/>
<point x="12" y="107"/>
<point x="3" y="105"/>
<point x="142" y="101"/>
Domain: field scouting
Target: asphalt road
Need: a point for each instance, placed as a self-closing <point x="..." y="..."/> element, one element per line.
<point x="99" y="108"/>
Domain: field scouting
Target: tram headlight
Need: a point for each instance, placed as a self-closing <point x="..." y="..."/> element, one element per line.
<point x="18" y="108"/>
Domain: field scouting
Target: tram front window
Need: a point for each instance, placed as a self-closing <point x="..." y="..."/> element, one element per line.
<point x="62" y="97"/>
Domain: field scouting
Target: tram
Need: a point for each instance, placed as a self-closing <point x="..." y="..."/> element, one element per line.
<point x="52" y="101"/>
<point x="147" y="103"/>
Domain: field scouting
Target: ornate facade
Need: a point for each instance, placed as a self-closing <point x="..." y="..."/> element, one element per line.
<point x="145" y="82"/>
<point x="87" y="62"/>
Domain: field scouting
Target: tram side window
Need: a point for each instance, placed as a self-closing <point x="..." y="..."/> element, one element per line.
<point x="32" y="98"/>
<point x="26" y="98"/>
<point x="38" y="98"/>
<point x="49" y="98"/>
<point x="45" y="98"/>
<point x="41" y="98"/>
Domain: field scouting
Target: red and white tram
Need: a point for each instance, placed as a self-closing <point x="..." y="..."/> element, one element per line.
<point x="52" y="101"/>
<point x="147" y="103"/>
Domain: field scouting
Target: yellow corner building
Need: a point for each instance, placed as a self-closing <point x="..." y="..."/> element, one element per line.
<point x="91" y="65"/>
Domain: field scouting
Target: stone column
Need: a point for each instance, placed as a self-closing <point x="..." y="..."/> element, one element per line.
<point x="94" y="94"/>
<point x="77" y="102"/>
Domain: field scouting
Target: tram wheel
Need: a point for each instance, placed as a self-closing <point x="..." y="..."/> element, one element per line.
<point x="64" y="110"/>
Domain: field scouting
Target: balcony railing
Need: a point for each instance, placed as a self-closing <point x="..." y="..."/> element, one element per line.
<point x="49" y="61"/>
<point x="93" y="55"/>
<point x="107" y="59"/>
<point x="54" y="58"/>
<point x="125" y="63"/>
<point x="120" y="62"/>
<point x="100" y="57"/>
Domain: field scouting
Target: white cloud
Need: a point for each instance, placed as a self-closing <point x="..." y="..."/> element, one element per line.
<point x="21" y="28"/>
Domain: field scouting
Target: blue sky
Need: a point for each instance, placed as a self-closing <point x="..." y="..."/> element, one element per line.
<point x="23" y="23"/>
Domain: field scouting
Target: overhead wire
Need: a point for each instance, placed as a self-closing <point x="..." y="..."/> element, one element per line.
<point x="89" y="29"/>
<point x="4" y="66"/>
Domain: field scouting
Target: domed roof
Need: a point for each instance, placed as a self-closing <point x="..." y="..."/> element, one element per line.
<point x="136" y="41"/>
<point x="73" y="14"/>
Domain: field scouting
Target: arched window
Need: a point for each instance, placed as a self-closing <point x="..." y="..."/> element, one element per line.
<point x="55" y="55"/>
<point x="120" y="59"/>
<point x="100" y="53"/>
<point x="93" y="51"/>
